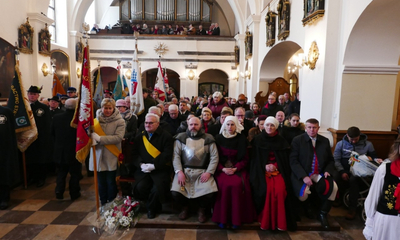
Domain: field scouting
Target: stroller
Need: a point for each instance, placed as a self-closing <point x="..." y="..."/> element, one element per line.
<point x="362" y="167"/>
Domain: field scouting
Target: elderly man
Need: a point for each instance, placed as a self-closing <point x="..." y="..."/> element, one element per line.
<point x="164" y="125"/>
<point x="195" y="160"/>
<point x="280" y="116"/>
<point x="64" y="137"/>
<point x="152" y="154"/>
<point x="38" y="155"/>
<point x="54" y="103"/>
<point x="312" y="163"/>
<point x="247" y="124"/>
<point x="356" y="141"/>
<point x="174" y="118"/>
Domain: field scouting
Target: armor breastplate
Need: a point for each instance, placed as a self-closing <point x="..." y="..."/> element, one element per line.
<point x="195" y="154"/>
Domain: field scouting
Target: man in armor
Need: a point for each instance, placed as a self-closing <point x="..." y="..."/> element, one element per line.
<point x="195" y="160"/>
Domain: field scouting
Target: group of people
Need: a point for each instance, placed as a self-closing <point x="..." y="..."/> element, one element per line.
<point x="261" y="167"/>
<point x="177" y="30"/>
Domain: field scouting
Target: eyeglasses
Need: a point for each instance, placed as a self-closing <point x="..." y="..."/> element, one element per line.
<point x="149" y="123"/>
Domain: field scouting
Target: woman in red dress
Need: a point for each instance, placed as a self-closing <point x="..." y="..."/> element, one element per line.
<point x="234" y="205"/>
<point x="270" y="179"/>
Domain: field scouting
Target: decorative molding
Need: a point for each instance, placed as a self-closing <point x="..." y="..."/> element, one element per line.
<point x="105" y="51"/>
<point x="164" y="60"/>
<point x="372" y="69"/>
<point x="170" y="37"/>
<point x="206" y="53"/>
<point x="37" y="17"/>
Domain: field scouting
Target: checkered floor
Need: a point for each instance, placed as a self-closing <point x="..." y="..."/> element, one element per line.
<point x="35" y="213"/>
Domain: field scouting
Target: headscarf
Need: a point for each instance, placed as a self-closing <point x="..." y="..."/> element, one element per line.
<point x="271" y="120"/>
<point x="224" y="131"/>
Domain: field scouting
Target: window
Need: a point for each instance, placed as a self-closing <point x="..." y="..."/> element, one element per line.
<point x="51" y="13"/>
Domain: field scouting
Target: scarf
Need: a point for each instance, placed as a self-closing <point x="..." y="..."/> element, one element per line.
<point x="395" y="170"/>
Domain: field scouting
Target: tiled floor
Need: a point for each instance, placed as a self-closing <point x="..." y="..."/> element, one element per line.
<point x="35" y="213"/>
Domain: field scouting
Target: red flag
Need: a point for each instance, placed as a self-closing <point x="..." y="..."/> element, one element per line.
<point x="83" y="119"/>
<point x="57" y="86"/>
<point x="159" y="86"/>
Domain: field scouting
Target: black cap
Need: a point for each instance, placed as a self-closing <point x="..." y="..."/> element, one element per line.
<point x="64" y="97"/>
<point x="108" y="91"/>
<point x="71" y="89"/>
<point x="34" y="89"/>
<point x="55" y="98"/>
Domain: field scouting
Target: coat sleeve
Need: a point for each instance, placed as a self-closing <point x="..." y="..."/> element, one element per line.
<point x="115" y="138"/>
<point x="214" y="158"/>
<point x="295" y="165"/>
<point x="176" y="160"/>
<point x="337" y="156"/>
<point x="371" y="202"/>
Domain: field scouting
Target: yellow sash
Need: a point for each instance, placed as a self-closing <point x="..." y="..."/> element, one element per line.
<point x="150" y="148"/>
<point x="112" y="148"/>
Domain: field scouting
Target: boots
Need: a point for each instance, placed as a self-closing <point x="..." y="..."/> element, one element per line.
<point x="202" y="215"/>
<point x="323" y="218"/>
<point x="184" y="213"/>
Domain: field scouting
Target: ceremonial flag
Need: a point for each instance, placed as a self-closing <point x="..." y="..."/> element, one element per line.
<point x="117" y="93"/>
<point x="159" y="86"/>
<point x="166" y="82"/>
<point x="98" y="94"/>
<point x="25" y="126"/>
<point x="83" y="118"/>
<point x="136" y="91"/>
<point x="125" y="91"/>
<point x="57" y="86"/>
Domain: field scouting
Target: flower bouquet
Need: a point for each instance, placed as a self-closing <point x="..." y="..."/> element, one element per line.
<point x="120" y="213"/>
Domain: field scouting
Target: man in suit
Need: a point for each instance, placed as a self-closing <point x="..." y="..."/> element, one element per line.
<point x="64" y="137"/>
<point x="216" y="30"/>
<point x="201" y="31"/>
<point x="312" y="164"/>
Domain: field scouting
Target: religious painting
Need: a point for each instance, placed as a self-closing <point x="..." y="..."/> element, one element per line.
<point x="206" y="89"/>
<point x="60" y="63"/>
<point x="7" y="67"/>
<point x="249" y="44"/>
<point x="270" y="20"/>
<point x="237" y="56"/>
<point x="313" y="10"/>
<point x="79" y="51"/>
<point x="25" y="37"/>
<point x="284" y="19"/>
<point x="44" y="41"/>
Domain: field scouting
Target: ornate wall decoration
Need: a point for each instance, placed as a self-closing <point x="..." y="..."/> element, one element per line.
<point x="44" y="41"/>
<point x="313" y="9"/>
<point x="161" y="49"/>
<point x="249" y="44"/>
<point x="79" y="51"/>
<point x="25" y="37"/>
<point x="284" y="19"/>
<point x="270" y="21"/>
<point x="313" y="54"/>
<point x="237" y="56"/>
<point x="60" y="60"/>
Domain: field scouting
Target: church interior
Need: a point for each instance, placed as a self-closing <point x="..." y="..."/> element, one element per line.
<point x="341" y="58"/>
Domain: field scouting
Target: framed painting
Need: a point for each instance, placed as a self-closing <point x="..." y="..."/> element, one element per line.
<point x="44" y="41"/>
<point x="270" y="21"/>
<point x="79" y="51"/>
<point x="25" y="37"/>
<point x="249" y="44"/>
<point x="284" y="19"/>
<point x="237" y="56"/>
<point x="60" y="62"/>
<point x="313" y="10"/>
<point x="7" y="66"/>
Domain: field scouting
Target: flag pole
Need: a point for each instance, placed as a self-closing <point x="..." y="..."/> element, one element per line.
<point x="24" y="163"/>
<point x="96" y="186"/>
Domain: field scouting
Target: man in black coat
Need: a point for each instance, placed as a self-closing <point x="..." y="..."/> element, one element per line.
<point x="271" y="107"/>
<point x="152" y="154"/>
<point x="54" y="106"/>
<point x="38" y="155"/>
<point x="64" y="137"/>
<point x="312" y="163"/>
<point x="174" y="118"/>
<point x="9" y="167"/>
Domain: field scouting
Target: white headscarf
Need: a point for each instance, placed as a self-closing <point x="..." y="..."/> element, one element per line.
<point x="224" y="131"/>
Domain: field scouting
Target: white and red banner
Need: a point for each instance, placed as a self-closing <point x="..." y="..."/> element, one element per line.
<point x="159" y="86"/>
<point x="135" y="88"/>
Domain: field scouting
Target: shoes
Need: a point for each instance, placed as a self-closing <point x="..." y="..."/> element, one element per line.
<point x="351" y="214"/>
<point x="184" y="213"/>
<point x="40" y="183"/>
<point x="221" y="225"/>
<point x="324" y="220"/>
<point x="202" y="215"/>
<point x="75" y="196"/>
<point x="60" y="196"/>
<point x="3" y="205"/>
<point x="234" y="227"/>
<point x="151" y="214"/>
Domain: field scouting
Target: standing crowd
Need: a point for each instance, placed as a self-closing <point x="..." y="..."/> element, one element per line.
<point x="242" y="162"/>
